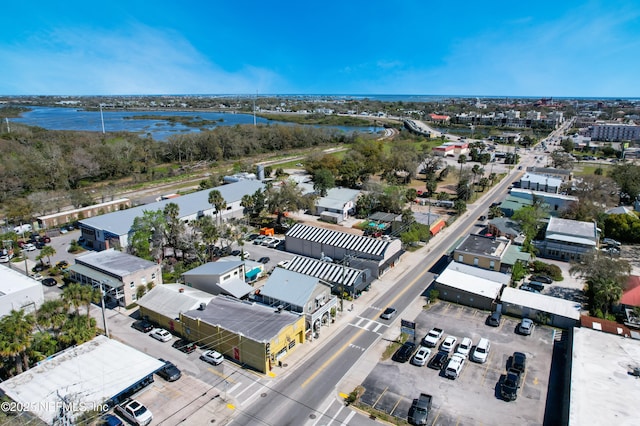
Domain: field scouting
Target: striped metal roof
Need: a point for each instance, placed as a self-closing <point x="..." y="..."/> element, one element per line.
<point x="326" y="271"/>
<point x="351" y="242"/>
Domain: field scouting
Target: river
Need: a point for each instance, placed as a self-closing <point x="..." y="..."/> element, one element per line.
<point x="58" y="118"/>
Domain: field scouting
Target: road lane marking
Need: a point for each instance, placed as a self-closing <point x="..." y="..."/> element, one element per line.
<point x="349" y="417"/>
<point x="375" y="330"/>
<point x="322" y="413"/>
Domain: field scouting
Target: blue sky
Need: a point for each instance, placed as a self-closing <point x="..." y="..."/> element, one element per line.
<point x="421" y="47"/>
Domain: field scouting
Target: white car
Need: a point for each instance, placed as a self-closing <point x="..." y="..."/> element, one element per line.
<point x="212" y="357"/>
<point x="448" y="344"/>
<point x="481" y="351"/>
<point x="134" y="412"/>
<point x="37" y="277"/>
<point x="274" y="243"/>
<point x="421" y="357"/>
<point x="464" y="348"/>
<point x="454" y="367"/>
<point x="161" y="334"/>
<point x="525" y="327"/>
<point x="28" y="247"/>
<point x="432" y="337"/>
<point x="5" y="258"/>
<point x="268" y="241"/>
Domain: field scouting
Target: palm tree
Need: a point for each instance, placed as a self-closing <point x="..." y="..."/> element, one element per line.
<point x="52" y="315"/>
<point x="72" y="296"/>
<point x="217" y="201"/>
<point x="462" y="159"/>
<point x="16" y="335"/>
<point x="47" y="251"/>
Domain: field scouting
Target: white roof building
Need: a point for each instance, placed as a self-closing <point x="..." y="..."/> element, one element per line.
<point x="559" y="312"/>
<point x="86" y="376"/>
<point x="601" y="387"/>
<point x="17" y="291"/>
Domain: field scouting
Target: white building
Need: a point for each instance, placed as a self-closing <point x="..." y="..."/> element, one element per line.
<point x="17" y="291"/>
<point x="615" y="132"/>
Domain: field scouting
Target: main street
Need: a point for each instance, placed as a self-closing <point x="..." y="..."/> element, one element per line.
<point x="301" y="396"/>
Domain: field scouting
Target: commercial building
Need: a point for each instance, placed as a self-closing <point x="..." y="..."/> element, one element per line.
<point x="471" y="286"/>
<point x="602" y="386"/>
<point x="112" y="230"/>
<point x="376" y="255"/>
<point x="555" y="202"/>
<point x="482" y="251"/>
<point x="101" y="371"/>
<point x="302" y="294"/>
<point x="341" y="277"/>
<point x="541" y="183"/>
<point x="119" y="274"/>
<point x="17" y="291"/>
<point x="615" y="132"/>
<point x="562" y="174"/>
<point x="568" y="240"/>
<point x="61" y="218"/>
<point x="163" y="304"/>
<point x="250" y="334"/>
<point x="221" y="277"/>
<point x="540" y="308"/>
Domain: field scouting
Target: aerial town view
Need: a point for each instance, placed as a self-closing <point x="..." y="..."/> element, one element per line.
<point x="364" y="214"/>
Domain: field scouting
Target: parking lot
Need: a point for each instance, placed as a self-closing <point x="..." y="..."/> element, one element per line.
<point x="474" y="397"/>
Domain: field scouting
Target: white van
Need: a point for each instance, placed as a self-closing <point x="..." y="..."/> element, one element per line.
<point x="481" y="352"/>
<point x="21" y="229"/>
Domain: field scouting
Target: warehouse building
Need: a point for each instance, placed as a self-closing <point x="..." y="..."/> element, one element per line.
<point x="376" y="255"/>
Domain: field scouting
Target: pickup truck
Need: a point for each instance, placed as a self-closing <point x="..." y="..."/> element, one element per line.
<point x="134" y="412"/>
<point x="419" y="411"/>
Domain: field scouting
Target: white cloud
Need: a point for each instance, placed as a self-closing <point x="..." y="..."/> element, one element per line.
<point x="137" y="60"/>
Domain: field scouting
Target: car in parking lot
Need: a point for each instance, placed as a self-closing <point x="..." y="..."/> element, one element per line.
<point x="388" y="313"/>
<point x="541" y="278"/>
<point x="525" y="327"/>
<point x="49" y="282"/>
<point x="464" y="348"/>
<point x="62" y="264"/>
<point x="404" y="352"/>
<point x="494" y="319"/>
<point x="519" y="361"/>
<point x="268" y="241"/>
<point x="169" y="371"/>
<point x="528" y="288"/>
<point x="481" y="351"/>
<point x="536" y="285"/>
<point x="135" y="412"/>
<point x="432" y="338"/>
<point x="264" y="259"/>
<point x="28" y="247"/>
<point x="143" y="326"/>
<point x="212" y="357"/>
<point x="510" y="385"/>
<point x="161" y="334"/>
<point x="259" y="239"/>
<point x="421" y="356"/>
<point x="454" y="366"/>
<point x="5" y="258"/>
<point x="110" y="420"/>
<point x="37" y="276"/>
<point x="448" y="344"/>
<point x="438" y="361"/>
<point x="184" y="346"/>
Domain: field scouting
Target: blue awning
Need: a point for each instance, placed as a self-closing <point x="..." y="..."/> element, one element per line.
<point x="252" y="274"/>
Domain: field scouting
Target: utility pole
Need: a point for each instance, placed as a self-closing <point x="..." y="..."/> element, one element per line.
<point x="104" y="317"/>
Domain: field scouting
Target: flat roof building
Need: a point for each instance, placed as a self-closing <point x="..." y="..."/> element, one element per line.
<point x="471" y="286"/>
<point x="120" y="274"/>
<point x="17" y="291"/>
<point x="101" y="371"/>
<point x="482" y="251"/>
<point x="603" y="390"/>
<point x="540" y="308"/>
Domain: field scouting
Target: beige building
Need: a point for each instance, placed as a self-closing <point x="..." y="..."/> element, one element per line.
<point x="482" y="252"/>
<point x="119" y="274"/>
